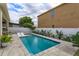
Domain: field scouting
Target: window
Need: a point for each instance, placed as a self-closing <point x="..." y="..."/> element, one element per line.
<point x="52" y="12"/>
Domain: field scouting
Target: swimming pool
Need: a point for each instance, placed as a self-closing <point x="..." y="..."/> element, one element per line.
<point x="36" y="44"/>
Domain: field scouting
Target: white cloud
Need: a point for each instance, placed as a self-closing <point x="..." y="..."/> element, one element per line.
<point x="29" y="9"/>
<point x="14" y="17"/>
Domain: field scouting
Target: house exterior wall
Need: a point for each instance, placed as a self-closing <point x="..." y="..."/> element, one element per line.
<point x="63" y="16"/>
<point x="13" y="25"/>
<point x="4" y="19"/>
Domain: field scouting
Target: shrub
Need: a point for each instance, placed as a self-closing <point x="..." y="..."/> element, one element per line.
<point x="48" y="33"/>
<point x="59" y="34"/>
<point x="5" y="39"/>
<point x="67" y="38"/>
<point x="42" y="32"/>
<point x="75" y="39"/>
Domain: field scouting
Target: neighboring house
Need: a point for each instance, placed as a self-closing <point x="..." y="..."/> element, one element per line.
<point x="4" y="19"/>
<point x="13" y="25"/>
<point x="65" y="15"/>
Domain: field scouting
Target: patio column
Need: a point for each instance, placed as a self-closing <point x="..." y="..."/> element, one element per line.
<point x="7" y="25"/>
<point x="0" y="22"/>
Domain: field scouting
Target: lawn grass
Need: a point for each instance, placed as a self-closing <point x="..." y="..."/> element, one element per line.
<point x="77" y="53"/>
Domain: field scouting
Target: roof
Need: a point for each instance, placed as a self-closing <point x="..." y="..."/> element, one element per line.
<point x="51" y="9"/>
<point x="4" y="9"/>
<point x="13" y="23"/>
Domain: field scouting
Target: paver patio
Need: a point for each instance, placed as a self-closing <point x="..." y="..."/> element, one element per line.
<point x="16" y="48"/>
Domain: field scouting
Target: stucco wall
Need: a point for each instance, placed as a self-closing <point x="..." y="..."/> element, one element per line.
<point x="66" y="31"/>
<point x="65" y="16"/>
<point x="19" y="29"/>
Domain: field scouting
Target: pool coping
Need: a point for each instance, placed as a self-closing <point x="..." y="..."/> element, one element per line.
<point x="43" y="50"/>
<point x="54" y="39"/>
<point x="25" y="49"/>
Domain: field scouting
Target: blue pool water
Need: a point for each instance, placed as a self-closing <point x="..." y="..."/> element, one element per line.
<point x="36" y="44"/>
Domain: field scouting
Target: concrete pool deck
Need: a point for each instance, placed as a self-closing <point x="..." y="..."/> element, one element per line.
<point x="16" y="48"/>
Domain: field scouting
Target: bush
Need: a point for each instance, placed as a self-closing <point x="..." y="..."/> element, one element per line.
<point x="5" y="39"/>
<point x="59" y="34"/>
<point x="67" y="38"/>
<point x="48" y="33"/>
<point x="43" y="32"/>
<point x="75" y="39"/>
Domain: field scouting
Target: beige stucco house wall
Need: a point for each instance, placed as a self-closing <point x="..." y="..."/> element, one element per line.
<point x="65" y="15"/>
<point x="4" y="19"/>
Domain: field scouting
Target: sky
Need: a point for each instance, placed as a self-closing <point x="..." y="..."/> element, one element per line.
<point x="17" y="10"/>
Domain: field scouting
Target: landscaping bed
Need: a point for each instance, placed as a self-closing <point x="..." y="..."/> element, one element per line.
<point x="60" y="35"/>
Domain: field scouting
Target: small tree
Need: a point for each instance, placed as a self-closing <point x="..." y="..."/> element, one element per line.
<point x="26" y="22"/>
